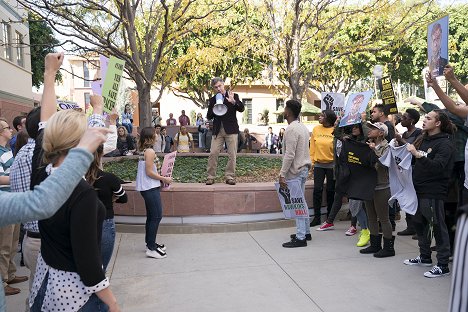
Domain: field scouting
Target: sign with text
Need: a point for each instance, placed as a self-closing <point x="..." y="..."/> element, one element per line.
<point x="292" y="200"/>
<point x="96" y="85"/>
<point x="112" y="82"/>
<point x="167" y="167"/>
<point x="333" y="101"/>
<point x="63" y="105"/>
<point x="388" y="95"/>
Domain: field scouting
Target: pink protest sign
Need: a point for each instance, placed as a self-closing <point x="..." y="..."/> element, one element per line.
<point x="96" y="85"/>
<point x="167" y="167"/>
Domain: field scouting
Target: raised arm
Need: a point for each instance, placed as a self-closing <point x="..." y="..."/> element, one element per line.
<point x="449" y="103"/>
<point x="53" y="61"/>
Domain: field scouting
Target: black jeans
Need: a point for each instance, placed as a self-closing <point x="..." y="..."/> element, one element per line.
<point x="319" y="178"/>
<point x="432" y="211"/>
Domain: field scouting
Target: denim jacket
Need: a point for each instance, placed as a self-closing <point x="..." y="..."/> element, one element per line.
<point x="46" y="198"/>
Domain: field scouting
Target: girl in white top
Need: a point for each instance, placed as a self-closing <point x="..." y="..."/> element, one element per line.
<point x="184" y="141"/>
<point x="148" y="183"/>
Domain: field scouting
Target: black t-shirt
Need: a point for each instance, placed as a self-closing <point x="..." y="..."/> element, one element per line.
<point x="357" y="176"/>
<point x="391" y="131"/>
<point x="71" y="238"/>
<point x="108" y="185"/>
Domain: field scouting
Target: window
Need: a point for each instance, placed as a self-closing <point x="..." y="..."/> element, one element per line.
<point x="19" y="49"/>
<point x="86" y="74"/>
<point x="6" y="30"/>
<point x="279" y="105"/>
<point x="248" y="111"/>
<point x="87" y="99"/>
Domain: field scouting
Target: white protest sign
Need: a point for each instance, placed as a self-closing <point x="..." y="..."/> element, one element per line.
<point x="292" y="200"/>
<point x="332" y="101"/>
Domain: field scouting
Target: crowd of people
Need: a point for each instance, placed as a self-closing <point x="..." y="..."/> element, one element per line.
<point x="51" y="181"/>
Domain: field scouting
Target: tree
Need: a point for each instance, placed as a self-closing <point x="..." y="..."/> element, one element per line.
<point x="223" y="46"/>
<point x="142" y="33"/>
<point x="309" y="34"/>
<point x="42" y="42"/>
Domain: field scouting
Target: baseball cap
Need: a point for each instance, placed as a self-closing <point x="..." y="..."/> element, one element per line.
<point x="379" y="125"/>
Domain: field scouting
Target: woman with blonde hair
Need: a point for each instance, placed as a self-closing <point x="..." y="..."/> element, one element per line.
<point x="69" y="272"/>
<point x="148" y="183"/>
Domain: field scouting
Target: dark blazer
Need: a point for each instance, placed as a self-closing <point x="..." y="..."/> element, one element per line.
<point x="229" y="120"/>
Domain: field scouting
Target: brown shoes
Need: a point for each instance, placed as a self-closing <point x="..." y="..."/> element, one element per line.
<point x="209" y="181"/>
<point x="17" y="279"/>
<point x="9" y="291"/>
<point x="231" y="181"/>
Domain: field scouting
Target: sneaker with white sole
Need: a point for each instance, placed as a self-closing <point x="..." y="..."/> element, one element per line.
<point x="437" y="271"/>
<point x="325" y="226"/>
<point x="351" y="231"/>
<point x="418" y="261"/>
<point x="162" y="247"/>
<point x="157" y="253"/>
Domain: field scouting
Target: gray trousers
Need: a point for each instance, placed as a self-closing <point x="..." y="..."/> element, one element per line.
<point x="378" y="208"/>
<point x="432" y="211"/>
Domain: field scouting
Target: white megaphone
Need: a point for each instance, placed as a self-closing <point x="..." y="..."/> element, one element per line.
<point x="220" y="108"/>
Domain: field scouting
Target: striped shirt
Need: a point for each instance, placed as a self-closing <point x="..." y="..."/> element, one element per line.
<point x="6" y="160"/>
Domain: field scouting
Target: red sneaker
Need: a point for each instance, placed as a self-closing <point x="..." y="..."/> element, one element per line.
<point x="326" y="226"/>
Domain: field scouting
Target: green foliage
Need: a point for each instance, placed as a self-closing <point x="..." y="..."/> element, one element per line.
<point x="193" y="169"/>
<point x="42" y="42"/>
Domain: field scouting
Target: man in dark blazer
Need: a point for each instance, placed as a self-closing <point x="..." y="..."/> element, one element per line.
<point x="225" y="130"/>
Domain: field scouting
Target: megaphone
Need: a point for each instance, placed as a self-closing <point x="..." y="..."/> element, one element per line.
<point x="220" y="108"/>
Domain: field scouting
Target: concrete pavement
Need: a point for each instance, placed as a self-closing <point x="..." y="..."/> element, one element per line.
<point x="251" y="271"/>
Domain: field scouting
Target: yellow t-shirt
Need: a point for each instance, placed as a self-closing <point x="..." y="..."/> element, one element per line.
<point x="183" y="145"/>
<point x="321" y="144"/>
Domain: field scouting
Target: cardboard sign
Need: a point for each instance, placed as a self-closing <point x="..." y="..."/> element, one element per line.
<point x="437" y="46"/>
<point x="333" y="101"/>
<point x="63" y="105"/>
<point x="388" y="95"/>
<point x="355" y="105"/>
<point x="292" y="200"/>
<point x="112" y="82"/>
<point x="96" y="85"/>
<point x="167" y="167"/>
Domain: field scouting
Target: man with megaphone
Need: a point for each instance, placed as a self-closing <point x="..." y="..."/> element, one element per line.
<point x="222" y="108"/>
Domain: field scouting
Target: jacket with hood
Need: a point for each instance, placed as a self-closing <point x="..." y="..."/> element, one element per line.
<point x="432" y="172"/>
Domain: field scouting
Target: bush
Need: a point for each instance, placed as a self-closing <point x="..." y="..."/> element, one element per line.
<point x="193" y="169"/>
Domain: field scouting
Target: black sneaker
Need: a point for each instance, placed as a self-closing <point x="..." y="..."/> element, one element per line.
<point x="406" y="232"/>
<point x="418" y="261"/>
<point x="437" y="271"/>
<point x="295" y="243"/>
<point x="308" y="236"/>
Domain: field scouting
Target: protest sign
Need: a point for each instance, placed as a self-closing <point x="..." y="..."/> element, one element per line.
<point x="292" y="200"/>
<point x="332" y="101"/>
<point x="96" y="85"/>
<point x="437" y="46"/>
<point x="167" y="167"/>
<point x="355" y="105"/>
<point x="63" y="105"/>
<point x="112" y="82"/>
<point x="388" y="95"/>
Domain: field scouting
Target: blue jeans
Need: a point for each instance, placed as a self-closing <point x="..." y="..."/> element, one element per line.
<point x="201" y="144"/>
<point x="153" y="205"/>
<point x="129" y="127"/>
<point x="94" y="304"/>
<point x="107" y="241"/>
<point x="302" y="224"/>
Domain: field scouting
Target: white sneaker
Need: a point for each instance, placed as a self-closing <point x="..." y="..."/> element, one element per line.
<point x="162" y="247"/>
<point x="157" y="254"/>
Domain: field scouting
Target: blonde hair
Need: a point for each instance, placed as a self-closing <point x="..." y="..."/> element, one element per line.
<point x="63" y="132"/>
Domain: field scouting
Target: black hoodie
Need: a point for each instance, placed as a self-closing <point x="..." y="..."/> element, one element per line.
<point x="432" y="172"/>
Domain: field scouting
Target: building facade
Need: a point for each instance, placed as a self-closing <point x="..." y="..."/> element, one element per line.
<point x="16" y="96"/>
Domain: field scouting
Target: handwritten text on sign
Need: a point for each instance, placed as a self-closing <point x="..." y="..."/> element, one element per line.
<point x="292" y="200"/>
<point x="112" y="82"/>
<point x="167" y="167"/>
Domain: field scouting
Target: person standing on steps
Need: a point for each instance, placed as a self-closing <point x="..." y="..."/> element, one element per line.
<point x="225" y="130"/>
<point x="296" y="165"/>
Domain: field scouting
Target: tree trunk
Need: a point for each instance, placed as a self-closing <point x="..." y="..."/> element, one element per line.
<point x="144" y="103"/>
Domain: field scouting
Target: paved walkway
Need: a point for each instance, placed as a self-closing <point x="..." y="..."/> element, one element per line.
<point x="250" y="271"/>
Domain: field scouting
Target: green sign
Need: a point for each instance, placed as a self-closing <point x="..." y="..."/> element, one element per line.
<point x="112" y="82"/>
